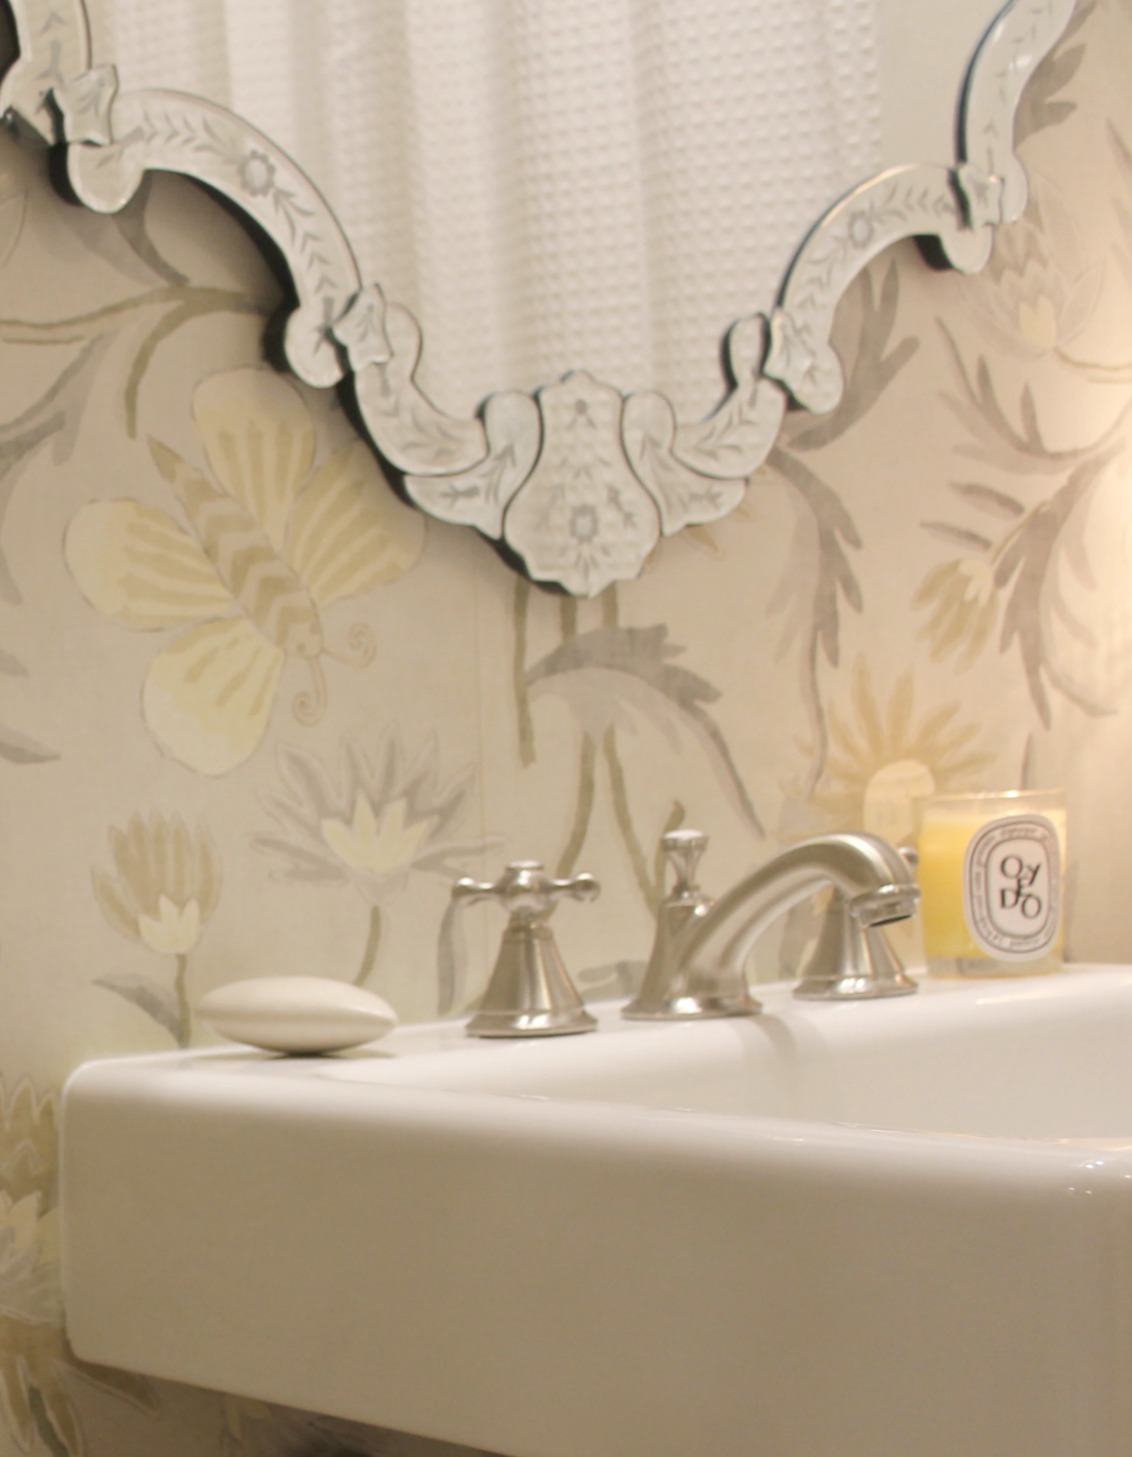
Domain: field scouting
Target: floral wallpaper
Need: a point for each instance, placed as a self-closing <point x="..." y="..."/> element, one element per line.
<point x="258" y="713"/>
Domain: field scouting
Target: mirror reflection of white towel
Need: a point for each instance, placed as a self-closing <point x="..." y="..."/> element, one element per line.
<point x="547" y="184"/>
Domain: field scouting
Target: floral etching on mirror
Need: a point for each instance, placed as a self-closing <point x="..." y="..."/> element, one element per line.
<point x="271" y="539"/>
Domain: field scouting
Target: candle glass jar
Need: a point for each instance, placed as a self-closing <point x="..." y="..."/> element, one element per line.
<point x="991" y="873"/>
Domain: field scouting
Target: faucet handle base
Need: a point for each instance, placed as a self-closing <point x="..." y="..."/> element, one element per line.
<point x="530" y="993"/>
<point x="530" y="1024"/>
<point x="686" y="1006"/>
<point x="851" y="962"/>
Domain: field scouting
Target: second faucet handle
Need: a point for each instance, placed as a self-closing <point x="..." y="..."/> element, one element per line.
<point x="669" y="990"/>
<point x="525" y="890"/>
<point x="683" y="849"/>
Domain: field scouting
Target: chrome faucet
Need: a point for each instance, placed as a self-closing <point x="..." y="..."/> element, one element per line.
<point x="697" y="966"/>
<point x="530" y="993"/>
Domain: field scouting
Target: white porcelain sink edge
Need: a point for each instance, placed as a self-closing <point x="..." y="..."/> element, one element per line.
<point x="960" y="1058"/>
<point x="547" y="1276"/>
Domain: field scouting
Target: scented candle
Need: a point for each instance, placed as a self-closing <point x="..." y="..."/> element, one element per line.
<point x="991" y="870"/>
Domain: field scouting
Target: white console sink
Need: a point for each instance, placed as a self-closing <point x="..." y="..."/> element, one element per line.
<point x="889" y="1229"/>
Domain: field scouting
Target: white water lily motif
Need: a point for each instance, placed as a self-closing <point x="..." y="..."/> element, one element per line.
<point x="377" y="844"/>
<point x="271" y="541"/>
<point x="372" y="825"/>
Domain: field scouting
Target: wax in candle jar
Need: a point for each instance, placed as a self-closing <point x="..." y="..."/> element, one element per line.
<point x="1022" y="875"/>
<point x="943" y="846"/>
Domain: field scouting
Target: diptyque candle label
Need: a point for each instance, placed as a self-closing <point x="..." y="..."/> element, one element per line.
<point x="1012" y="887"/>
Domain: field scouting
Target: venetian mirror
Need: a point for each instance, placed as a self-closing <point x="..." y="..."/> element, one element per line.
<point x="704" y="179"/>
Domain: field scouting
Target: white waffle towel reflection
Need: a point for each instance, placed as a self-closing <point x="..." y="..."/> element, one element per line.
<point x="547" y="183"/>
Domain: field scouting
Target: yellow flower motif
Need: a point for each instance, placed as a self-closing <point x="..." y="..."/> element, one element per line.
<point x="30" y="1301"/>
<point x="376" y="841"/>
<point x="883" y="759"/>
<point x="27" y="1240"/>
<point x="167" y="883"/>
<point x="1037" y="323"/>
<point x="28" y="1138"/>
<point x="963" y="600"/>
<point x="37" y="1366"/>
<point x="175" y="930"/>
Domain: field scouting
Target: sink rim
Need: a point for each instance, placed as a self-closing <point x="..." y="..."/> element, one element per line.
<point x="434" y="1071"/>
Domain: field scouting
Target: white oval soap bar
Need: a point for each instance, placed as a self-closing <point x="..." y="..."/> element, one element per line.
<point x="296" y="1013"/>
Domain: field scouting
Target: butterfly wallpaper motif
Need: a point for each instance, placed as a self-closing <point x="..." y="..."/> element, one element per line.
<point x="268" y="543"/>
<point x="256" y="713"/>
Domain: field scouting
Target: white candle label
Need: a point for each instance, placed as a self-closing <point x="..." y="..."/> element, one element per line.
<point x="1012" y="887"/>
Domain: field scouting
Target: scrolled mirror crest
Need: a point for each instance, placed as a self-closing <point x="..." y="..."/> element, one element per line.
<point x="577" y="479"/>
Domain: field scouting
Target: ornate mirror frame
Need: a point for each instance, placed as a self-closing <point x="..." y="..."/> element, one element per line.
<point x="576" y="509"/>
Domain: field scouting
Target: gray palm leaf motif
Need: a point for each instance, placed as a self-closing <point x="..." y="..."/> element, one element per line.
<point x="611" y="671"/>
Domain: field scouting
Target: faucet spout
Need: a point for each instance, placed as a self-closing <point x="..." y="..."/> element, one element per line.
<point x="697" y="967"/>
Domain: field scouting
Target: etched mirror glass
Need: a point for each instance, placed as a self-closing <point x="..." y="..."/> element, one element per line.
<point x="542" y="219"/>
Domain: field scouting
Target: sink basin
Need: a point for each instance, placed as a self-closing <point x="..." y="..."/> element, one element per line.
<point x="889" y="1229"/>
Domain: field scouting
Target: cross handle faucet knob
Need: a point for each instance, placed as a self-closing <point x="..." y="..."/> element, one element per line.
<point x="525" y="890"/>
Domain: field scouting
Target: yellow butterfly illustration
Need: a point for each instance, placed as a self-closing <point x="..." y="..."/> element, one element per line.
<point x="268" y="546"/>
